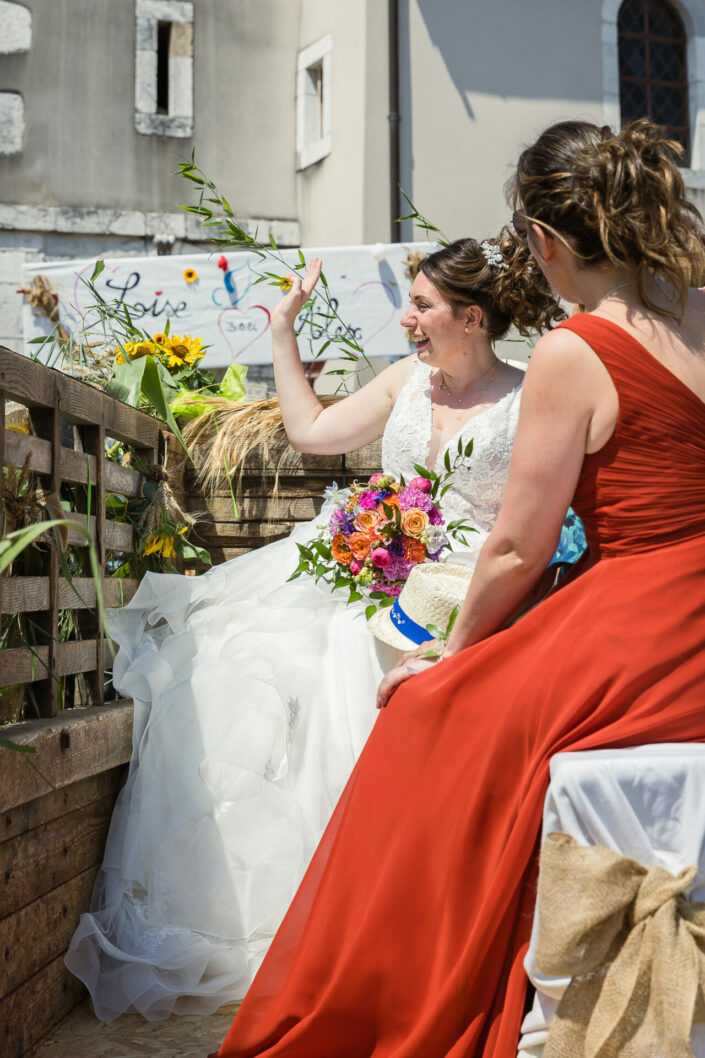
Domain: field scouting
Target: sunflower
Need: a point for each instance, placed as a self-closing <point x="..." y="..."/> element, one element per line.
<point x="285" y="283"/>
<point x="159" y="339"/>
<point x="181" y="351"/>
<point x="135" y="351"/>
<point x="163" y="543"/>
<point x="190" y="275"/>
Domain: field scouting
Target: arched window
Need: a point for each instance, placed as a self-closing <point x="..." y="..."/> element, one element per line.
<point x="653" y="75"/>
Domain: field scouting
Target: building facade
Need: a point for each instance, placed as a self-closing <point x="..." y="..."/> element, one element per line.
<point x="307" y="113"/>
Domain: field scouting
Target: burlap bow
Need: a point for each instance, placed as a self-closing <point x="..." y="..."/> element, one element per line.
<point x="634" y="947"/>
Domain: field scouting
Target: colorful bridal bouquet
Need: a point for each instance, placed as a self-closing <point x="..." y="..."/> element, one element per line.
<point x="378" y="530"/>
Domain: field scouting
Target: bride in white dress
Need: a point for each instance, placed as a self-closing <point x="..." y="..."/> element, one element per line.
<point x="254" y="695"/>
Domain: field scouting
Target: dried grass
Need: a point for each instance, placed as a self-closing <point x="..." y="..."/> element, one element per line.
<point x="230" y="432"/>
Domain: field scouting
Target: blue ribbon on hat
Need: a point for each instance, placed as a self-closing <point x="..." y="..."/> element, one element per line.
<point x="409" y="628"/>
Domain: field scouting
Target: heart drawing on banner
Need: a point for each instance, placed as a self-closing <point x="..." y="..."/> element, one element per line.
<point x="241" y="328"/>
<point x="369" y="338"/>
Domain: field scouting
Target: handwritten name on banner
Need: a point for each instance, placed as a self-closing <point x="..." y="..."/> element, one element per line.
<point x="217" y="298"/>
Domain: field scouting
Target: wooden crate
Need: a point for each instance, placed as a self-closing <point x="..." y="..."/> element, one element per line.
<point x="51" y="845"/>
<point x="264" y="514"/>
<point x="53" y="399"/>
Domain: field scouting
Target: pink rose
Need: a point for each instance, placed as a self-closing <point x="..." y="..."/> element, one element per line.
<point x="356" y="565"/>
<point x="376" y="478"/>
<point x="422" y="484"/>
<point x="380" y="557"/>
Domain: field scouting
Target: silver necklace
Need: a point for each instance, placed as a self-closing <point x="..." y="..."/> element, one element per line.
<point x="614" y="291"/>
<point x="488" y="375"/>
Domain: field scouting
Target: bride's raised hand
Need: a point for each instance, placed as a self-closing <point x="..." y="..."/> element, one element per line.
<point x="298" y="293"/>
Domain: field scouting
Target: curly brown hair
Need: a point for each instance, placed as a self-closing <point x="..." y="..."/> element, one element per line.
<point x="512" y="293"/>
<point x="617" y="198"/>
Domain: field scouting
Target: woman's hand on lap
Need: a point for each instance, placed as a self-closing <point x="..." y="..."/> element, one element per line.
<point x="402" y="671"/>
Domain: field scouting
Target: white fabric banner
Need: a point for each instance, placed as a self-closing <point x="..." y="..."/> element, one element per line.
<point x="216" y="298"/>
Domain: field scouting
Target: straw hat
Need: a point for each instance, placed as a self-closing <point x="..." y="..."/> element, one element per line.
<point x="429" y="596"/>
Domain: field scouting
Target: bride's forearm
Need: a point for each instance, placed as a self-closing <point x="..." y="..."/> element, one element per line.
<point x="298" y="403"/>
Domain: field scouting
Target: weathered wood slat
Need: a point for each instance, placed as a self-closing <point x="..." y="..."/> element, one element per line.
<point x="39" y="932"/>
<point x="256" y="489"/>
<point x="70" y="747"/>
<point x="119" y="536"/>
<point x="37" y="386"/>
<point x="34" y="863"/>
<point x="54" y="804"/>
<point x="29" y="594"/>
<point x="254" y="508"/>
<point x="74" y="466"/>
<point x="218" y="532"/>
<point x="294" y="464"/>
<point x="32" y="1010"/>
<point x="22" y="665"/>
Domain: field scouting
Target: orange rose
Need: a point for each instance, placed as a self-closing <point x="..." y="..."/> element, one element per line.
<point x="414" y="550"/>
<point x="359" y="545"/>
<point x="390" y="501"/>
<point x="340" y="549"/>
<point x="366" y="520"/>
<point x="414" y="521"/>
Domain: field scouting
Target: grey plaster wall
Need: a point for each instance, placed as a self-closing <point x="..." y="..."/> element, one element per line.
<point x="81" y="147"/>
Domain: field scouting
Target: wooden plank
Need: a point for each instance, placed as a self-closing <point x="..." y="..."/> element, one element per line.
<point x="29" y="594"/>
<point x="39" y="932"/>
<point x="256" y="508"/>
<point x="70" y="747"/>
<point x="24" y="594"/>
<point x="74" y="466"/>
<point x="122" y="481"/>
<point x="294" y="464"/>
<point x="54" y="804"/>
<point x="32" y="1010"/>
<point x="220" y="532"/>
<point x="35" y="385"/>
<point x="22" y="665"/>
<point x="34" y="863"/>
<point x="219" y="555"/>
<point x="119" y="536"/>
<point x="257" y="488"/>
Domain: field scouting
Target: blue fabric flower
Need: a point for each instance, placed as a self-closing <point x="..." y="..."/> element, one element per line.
<point x="572" y="543"/>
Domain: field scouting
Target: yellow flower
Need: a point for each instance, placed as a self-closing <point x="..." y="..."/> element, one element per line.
<point x="190" y="275"/>
<point x="163" y="542"/>
<point x="135" y="351"/>
<point x="285" y="283"/>
<point x="159" y="339"/>
<point x="178" y="352"/>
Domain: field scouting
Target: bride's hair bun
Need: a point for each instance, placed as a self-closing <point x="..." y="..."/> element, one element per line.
<point x="617" y="198"/>
<point x="499" y="275"/>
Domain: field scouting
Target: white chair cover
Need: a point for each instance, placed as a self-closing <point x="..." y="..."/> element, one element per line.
<point x="646" y="802"/>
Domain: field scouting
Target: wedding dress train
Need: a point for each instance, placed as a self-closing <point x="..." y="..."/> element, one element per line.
<point x="253" y="699"/>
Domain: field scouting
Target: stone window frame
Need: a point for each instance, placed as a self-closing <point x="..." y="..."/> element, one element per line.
<point x="310" y="111"/>
<point x="16" y="19"/>
<point x="179" y="121"/>
<point x="692" y="14"/>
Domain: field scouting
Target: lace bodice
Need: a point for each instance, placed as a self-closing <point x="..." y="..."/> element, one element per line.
<point x="478" y="487"/>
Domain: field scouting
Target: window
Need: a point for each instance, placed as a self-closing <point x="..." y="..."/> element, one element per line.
<point x="313" y="89"/>
<point x="164" y="68"/>
<point x="653" y="75"/>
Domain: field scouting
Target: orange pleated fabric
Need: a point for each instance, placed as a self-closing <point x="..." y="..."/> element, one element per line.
<point x="407" y="935"/>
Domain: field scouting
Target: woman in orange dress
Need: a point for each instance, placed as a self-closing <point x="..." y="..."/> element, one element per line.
<point x="407" y="935"/>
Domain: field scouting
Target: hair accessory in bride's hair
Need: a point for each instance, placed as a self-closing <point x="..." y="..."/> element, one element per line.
<point x="493" y="254"/>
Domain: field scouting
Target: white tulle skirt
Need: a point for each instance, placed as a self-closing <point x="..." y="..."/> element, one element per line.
<point x="253" y="699"/>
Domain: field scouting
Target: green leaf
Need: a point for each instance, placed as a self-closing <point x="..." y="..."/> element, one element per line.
<point x="423" y="473"/>
<point x="370" y="611"/>
<point x="233" y="385"/>
<point x="355" y="596"/>
<point x="6" y="743"/>
<point x="99" y="266"/>
<point x="446" y="460"/>
<point x="190" y="551"/>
